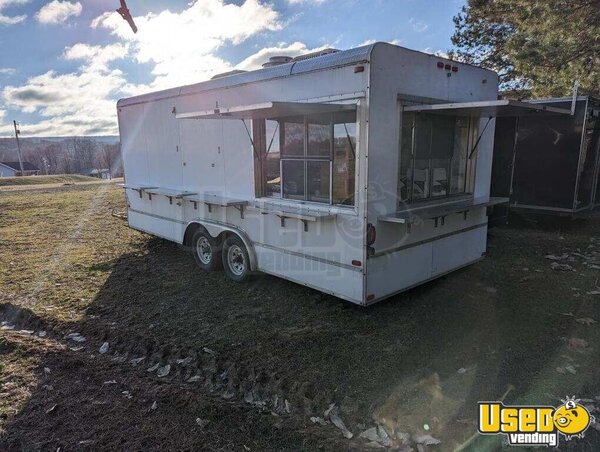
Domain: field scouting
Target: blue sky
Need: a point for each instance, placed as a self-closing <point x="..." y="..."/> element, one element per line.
<point x="64" y="63"/>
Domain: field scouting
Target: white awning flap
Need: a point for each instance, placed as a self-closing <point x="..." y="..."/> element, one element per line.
<point x="267" y="110"/>
<point x="488" y="109"/>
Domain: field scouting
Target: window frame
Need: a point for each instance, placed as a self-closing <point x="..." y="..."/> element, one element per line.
<point x="306" y="158"/>
<point x="469" y="165"/>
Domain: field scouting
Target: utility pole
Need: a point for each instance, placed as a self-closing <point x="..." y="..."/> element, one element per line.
<point x="17" y="133"/>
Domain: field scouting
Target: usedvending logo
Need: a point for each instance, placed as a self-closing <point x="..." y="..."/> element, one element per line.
<point x="535" y="425"/>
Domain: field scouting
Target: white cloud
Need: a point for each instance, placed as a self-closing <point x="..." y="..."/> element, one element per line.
<point x="368" y="42"/>
<point x="2" y="114"/>
<point x="417" y="25"/>
<point x="182" y="45"/>
<point x="11" y="20"/>
<point x="7" y="71"/>
<point x="298" y="2"/>
<point x="439" y="53"/>
<point x="77" y="103"/>
<point x="96" y="57"/>
<point x="256" y="60"/>
<point x="57" y="12"/>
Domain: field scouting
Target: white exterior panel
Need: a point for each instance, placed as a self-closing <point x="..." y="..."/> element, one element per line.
<point x="457" y="250"/>
<point x="326" y="248"/>
<point x="216" y="155"/>
<point x="401" y="76"/>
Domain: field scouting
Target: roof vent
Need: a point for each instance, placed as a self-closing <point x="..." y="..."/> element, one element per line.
<point x="227" y="74"/>
<point x="277" y="60"/>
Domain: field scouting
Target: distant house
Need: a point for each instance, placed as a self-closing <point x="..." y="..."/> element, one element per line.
<point x="99" y="173"/>
<point x="12" y="169"/>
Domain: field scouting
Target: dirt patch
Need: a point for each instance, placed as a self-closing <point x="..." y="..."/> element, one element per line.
<point x="84" y="402"/>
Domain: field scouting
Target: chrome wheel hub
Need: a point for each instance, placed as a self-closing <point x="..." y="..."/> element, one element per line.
<point x="236" y="261"/>
<point x="203" y="250"/>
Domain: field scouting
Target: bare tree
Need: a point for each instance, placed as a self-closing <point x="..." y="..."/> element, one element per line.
<point x="65" y="156"/>
<point x="109" y="157"/>
<point x="52" y="155"/>
<point x="35" y="158"/>
<point x="83" y="154"/>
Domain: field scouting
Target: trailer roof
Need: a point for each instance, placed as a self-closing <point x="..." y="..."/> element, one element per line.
<point x="331" y="60"/>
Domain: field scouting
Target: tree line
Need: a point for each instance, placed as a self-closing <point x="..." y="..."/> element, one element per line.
<point x="65" y="156"/>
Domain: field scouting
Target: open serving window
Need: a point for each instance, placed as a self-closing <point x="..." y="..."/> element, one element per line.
<point x="435" y="157"/>
<point x="439" y="142"/>
<point x="438" y="148"/>
<point x="303" y="151"/>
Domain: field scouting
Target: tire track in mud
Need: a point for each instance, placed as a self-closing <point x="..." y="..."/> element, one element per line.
<point x="78" y="400"/>
<point x="218" y="376"/>
<point x="213" y="373"/>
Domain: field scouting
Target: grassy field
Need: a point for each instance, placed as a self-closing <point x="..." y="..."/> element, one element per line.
<point x="42" y="180"/>
<point x="250" y="364"/>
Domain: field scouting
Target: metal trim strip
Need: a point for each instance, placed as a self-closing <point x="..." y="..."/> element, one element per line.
<point x="255" y="244"/>
<point x="580" y="162"/>
<point x="549" y="209"/>
<point x="309" y="257"/>
<point x="156" y="216"/>
<point x="423" y="242"/>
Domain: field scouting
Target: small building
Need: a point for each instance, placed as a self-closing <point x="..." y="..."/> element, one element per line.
<point x="13" y="169"/>
<point x="99" y="173"/>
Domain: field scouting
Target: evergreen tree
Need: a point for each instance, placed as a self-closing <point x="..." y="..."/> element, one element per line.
<point x="541" y="45"/>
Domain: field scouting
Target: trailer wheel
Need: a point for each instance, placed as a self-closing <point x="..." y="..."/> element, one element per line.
<point x="236" y="262"/>
<point x="206" y="251"/>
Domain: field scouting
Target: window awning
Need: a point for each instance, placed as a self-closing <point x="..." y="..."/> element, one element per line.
<point x="267" y="110"/>
<point x="487" y="109"/>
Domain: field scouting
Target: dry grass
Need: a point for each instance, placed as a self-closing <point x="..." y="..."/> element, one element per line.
<point x="67" y="265"/>
<point x="22" y="372"/>
<point x="42" y="180"/>
<point x="51" y="244"/>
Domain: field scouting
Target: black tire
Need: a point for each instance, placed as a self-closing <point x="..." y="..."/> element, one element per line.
<point x="236" y="262"/>
<point x="206" y="251"/>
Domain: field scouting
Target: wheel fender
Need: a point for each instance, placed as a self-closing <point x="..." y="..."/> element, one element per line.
<point x="215" y="229"/>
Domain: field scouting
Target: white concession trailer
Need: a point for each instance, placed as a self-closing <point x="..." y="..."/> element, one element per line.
<point x="360" y="173"/>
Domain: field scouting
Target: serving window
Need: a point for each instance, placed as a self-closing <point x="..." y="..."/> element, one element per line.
<point x="307" y="158"/>
<point x="435" y="160"/>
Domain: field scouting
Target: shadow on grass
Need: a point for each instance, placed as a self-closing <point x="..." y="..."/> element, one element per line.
<point x="86" y="403"/>
<point x="418" y="362"/>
